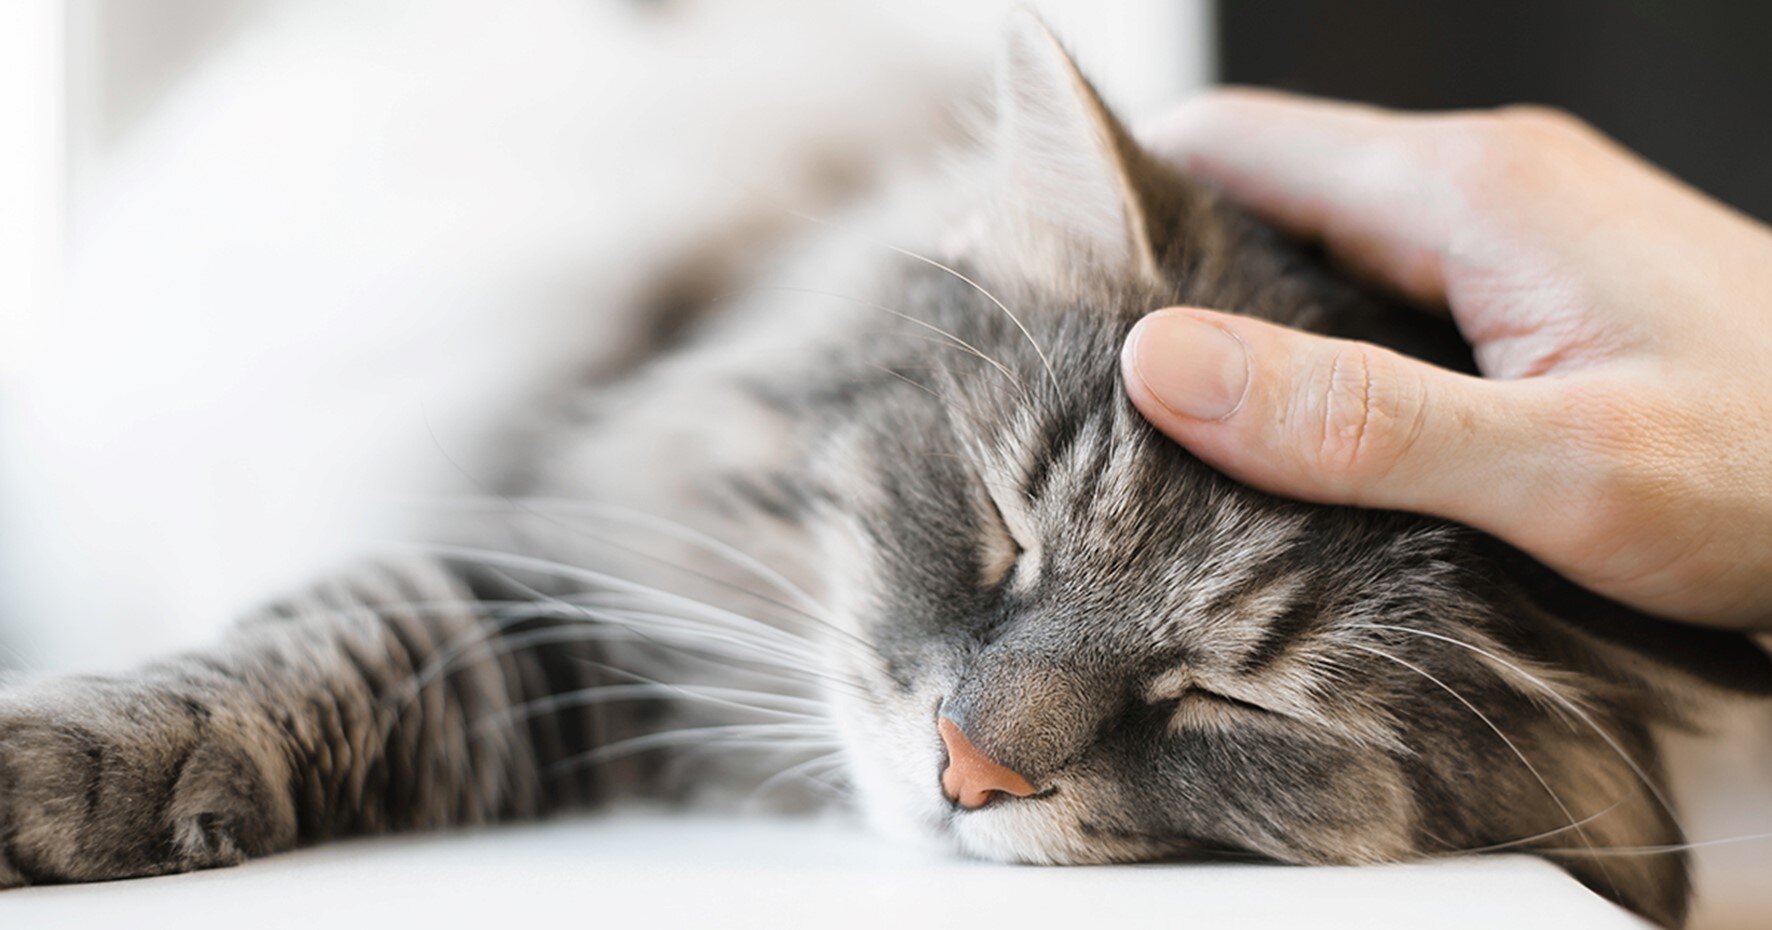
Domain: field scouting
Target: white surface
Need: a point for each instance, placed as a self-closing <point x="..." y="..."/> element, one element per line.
<point x="652" y="872"/>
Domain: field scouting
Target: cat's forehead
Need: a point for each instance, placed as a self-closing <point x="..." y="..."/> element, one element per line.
<point x="1121" y="515"/>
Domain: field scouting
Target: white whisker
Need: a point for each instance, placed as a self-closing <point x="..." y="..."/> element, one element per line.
<point x="801" y="770"/>
<point x="491" y="557"/>
<point x="661" y="525"/>
<point x="1662" y="850"/>
<point x="1528" y="840"/>
<point x="1545" y="784"/>
<point x="605" y="694"/>
<point x="1046" y="362"/>
<point x="1568" y="705"/>
<point x="707" y="544"/>
<point x="767" y="736"/>
<point x="955" y="341"/>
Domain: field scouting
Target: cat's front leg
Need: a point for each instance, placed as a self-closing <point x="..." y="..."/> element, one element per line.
<point x="386" y="700"/>
<point x="109" y="778"/>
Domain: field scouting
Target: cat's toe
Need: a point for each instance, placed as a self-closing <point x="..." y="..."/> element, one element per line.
<point x="10" y="877"/>
<point x="209" y="840"/>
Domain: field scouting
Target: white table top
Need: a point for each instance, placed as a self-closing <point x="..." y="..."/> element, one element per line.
<point x="635" y="871"/>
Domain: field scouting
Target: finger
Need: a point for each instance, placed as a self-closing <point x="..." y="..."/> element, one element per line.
<point x="1341" y="422"/>
<point x="1362" y="179"/>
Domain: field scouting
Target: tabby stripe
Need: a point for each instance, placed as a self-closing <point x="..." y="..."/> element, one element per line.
<point x="1060" y="436"/>
<point x="1280" y="633"/>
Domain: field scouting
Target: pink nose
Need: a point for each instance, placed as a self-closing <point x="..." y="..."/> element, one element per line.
<point x="972" y="778"/>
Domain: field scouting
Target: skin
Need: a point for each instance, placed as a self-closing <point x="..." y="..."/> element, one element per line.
<point x="1620" y="320"/>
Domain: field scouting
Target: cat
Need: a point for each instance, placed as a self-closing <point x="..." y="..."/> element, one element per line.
<point x="884" y="526"/>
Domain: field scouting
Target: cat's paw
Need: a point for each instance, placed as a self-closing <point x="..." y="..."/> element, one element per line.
<point x="103" y="779"/>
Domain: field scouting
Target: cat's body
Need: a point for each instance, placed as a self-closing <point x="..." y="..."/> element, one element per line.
<point x="892" y="482"/>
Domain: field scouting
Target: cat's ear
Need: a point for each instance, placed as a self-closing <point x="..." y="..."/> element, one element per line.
<point x="1723" y="660"/>
<point x="1066" y="169"/>
<point x="1654" y="649"/>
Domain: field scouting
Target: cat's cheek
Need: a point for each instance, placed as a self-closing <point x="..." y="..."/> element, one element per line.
<point x="894" y="766"/>
<point x="894" y="808"/>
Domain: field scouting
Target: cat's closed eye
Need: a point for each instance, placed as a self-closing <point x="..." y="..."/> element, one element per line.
<point x="1200" y="708"/>
<point x="1198" y="702"/>
<point x="1007" y="540"/>
<point x="1184" y="702"/>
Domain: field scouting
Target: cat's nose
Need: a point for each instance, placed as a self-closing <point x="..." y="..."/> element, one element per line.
<point x="972" y="778"/>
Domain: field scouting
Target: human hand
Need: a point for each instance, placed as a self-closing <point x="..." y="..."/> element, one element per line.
<point x="1622" y="320"/>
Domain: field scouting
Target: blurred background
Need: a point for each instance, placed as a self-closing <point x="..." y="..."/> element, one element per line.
<point x="267" y="264"/>
<point x="304" y="256"/>
<point x="1685" y="84"/>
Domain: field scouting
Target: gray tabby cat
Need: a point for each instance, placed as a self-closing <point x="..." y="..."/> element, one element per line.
<point x="904" y="530"/>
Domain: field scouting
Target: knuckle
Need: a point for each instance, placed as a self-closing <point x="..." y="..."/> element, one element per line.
<point x="1543" y="122"/>
<point x="1367" y="411"/>
<point x="1475" y="131"/>
<point x="1498" y="157"/>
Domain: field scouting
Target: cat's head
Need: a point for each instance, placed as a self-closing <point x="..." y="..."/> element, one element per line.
<point x="1114" y="653"/>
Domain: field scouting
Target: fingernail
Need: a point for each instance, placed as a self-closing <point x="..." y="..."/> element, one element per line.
<point x="1193" y="368"/>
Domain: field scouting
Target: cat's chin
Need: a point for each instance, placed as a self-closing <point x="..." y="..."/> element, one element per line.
<point x="977" y="835"/>
<point x="1043" y="831"/>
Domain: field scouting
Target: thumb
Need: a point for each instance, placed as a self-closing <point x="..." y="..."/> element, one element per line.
<point x="1338" y="422"/>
